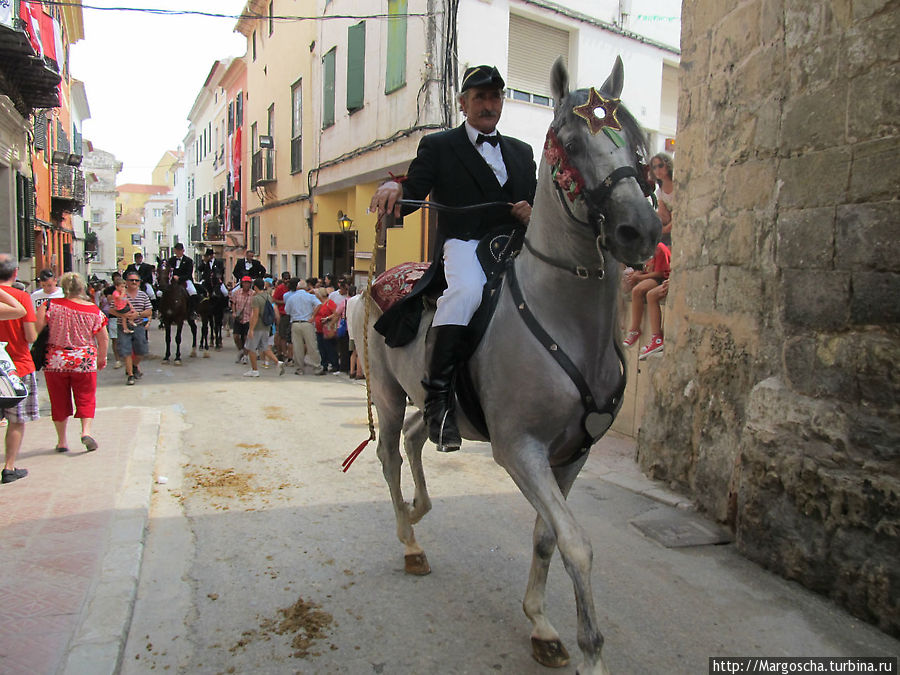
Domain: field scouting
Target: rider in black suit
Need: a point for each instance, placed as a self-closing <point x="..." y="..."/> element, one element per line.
<point x="210" y="265"/>
<point x="249" y="267"/>
<point x="471" y="164"/>
<point x="182" y="269"/>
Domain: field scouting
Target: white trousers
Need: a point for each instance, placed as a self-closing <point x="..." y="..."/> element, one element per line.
<point x="465" y="284"/>
<point x="188" y="284"/>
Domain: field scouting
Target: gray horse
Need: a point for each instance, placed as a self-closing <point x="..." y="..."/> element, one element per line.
<point x="590" y="211"/>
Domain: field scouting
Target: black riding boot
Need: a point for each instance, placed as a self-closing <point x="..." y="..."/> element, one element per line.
<point x="443" y="348"/>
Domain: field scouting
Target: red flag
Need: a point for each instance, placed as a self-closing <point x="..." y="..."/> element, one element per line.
<point x="48" y="41"/>
<point x="31" y="17"/>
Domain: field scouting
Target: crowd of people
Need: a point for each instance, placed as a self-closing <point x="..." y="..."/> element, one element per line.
<point x="76" y="348"/>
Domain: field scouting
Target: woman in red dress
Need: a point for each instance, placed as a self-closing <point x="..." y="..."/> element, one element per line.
<point x="76" y="350"/>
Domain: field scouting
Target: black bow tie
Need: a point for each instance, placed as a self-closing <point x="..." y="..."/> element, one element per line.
<point x="493" y="140"/>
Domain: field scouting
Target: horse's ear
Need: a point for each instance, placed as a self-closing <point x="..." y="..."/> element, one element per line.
<point x="559" y="80"/>
<point x="616" y="80"/>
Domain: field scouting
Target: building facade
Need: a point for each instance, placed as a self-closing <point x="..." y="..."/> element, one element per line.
<point x="40" y="176"/>
<point x="100" y="169"/>
<point x="280" y="135"/>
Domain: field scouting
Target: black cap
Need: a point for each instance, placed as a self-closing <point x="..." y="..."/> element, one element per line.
<point x="482" y="76"/>
<point x="179" y="246"/>
<point x="209" y="251"/>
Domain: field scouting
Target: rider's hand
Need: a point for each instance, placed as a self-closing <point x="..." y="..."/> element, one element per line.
<point x="385" y="199"/>
<point x="521" y="211"/>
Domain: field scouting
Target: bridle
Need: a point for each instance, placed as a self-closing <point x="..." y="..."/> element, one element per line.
<point x="569" y="186"/>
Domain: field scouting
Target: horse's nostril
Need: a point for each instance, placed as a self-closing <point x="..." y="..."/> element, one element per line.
<point x="626" y="234"/>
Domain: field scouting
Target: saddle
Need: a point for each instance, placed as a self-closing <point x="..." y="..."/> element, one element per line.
<point x="404" y="293"/>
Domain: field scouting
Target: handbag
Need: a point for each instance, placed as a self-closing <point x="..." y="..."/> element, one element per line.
<point x="342" y="327"/>
<point x="12" y="389"/>
<point x="39" y="346"/>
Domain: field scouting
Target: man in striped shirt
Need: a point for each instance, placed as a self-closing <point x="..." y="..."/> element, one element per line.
<point x="132" y="346"/>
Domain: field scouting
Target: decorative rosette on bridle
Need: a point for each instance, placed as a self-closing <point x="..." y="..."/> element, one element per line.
<point x="566" y="176"/>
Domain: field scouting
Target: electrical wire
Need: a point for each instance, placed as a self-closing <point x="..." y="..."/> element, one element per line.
<point x="219" y="15"/>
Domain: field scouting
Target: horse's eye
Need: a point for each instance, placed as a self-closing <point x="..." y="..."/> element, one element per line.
<point x="571" y="147"/>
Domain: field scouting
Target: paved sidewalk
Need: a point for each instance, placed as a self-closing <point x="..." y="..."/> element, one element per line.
<point x="71" y="541"/>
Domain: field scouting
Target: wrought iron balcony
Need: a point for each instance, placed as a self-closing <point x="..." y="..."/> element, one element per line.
<point x="262" y="170"/>
<point x="67" y="184"/>
<point x="29" y="79"/>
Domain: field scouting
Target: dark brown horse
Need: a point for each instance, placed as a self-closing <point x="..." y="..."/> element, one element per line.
<point x="174" y="310"/>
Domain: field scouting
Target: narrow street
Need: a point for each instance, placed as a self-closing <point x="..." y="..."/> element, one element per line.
<point x="262" y="557"/>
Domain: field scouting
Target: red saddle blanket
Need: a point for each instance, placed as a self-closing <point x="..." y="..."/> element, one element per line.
<point x="396" y="283"/>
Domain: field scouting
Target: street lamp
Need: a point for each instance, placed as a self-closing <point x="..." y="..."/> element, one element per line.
<point x="345" y="221"/>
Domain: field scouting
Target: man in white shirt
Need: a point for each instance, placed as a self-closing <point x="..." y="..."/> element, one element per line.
<point x="48" y="289"/>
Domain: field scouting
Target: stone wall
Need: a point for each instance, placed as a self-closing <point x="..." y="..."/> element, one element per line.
<point x="777" y="404"/>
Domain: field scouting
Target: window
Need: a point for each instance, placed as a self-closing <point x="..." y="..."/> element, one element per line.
<point x="271" y="15"/>
<point x="328" y="89"/>
<point x="230" y="117"/>
<point x="533" y="47"/>
<point x="296" y="127"/>
<point x="270" y="120"/>
<point x="395" y="77"/>
<point x="356" y="65"/>
<point x="300" y="266"/>
<point x="239" y="110"/>
<point x="253" y="45"/>
<point x="253" y="234"/>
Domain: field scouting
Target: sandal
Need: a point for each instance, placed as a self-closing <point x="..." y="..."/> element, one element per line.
<point x="631" y="338"/>
<point x="89" y="443"/>
<point x="60" y="448"/>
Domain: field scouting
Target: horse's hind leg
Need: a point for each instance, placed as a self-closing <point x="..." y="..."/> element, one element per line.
<point x="546" y="646"/>
<point x="193" y="326"/>
<point x="531" y="472"/>
<point x="415" y="433"/>
<point x="391" y="410"/>
<point x="178" y="344"/>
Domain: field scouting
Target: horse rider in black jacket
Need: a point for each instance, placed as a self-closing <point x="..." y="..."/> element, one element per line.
<point x="471" y="164"/>
<point x="249" y="267"/>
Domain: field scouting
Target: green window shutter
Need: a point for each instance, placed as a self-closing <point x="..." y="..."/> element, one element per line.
<point x="396" y="48"/>
<point x="328" y="89"/>
<point x="356" y="65"/>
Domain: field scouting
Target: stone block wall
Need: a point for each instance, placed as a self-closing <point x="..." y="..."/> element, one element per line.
<point x="777" y="405"/>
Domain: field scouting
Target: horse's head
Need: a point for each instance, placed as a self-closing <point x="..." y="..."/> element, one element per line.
<point x="595" y="157"/>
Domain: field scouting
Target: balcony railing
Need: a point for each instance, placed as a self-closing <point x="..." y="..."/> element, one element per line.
<point x="67" y="182"/>
<point x="263" y="168"/>
<point x="210" y="232"/>
<point x="28" y="79"/>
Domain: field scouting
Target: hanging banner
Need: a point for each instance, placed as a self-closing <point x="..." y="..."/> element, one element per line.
<point x="6" y="12"/>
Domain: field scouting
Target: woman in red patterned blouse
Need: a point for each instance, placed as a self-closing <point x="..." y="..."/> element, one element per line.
<point x="76" y="350"/>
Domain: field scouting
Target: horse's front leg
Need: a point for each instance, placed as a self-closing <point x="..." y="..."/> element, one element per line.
<point x="546" y="646"/>
<point x="415" y="433"/>
<point x="168" y="328"/>
<point x="529" y="468"/>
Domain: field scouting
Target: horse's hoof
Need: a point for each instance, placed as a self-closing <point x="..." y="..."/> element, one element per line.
<point x="206" y="354"/>
<point x="550" y="653"/>
<point x="416" y="563"/>
<point x="193" y="353"/>
<point x="218" y="348"/>
<point x="177" y="362"/>
<point x="165" y="362"/>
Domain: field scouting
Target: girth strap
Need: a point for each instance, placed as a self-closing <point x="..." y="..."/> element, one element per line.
<point x="596" y="420"/>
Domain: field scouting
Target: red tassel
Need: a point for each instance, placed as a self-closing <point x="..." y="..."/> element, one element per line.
<point x="353" y="455"/>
